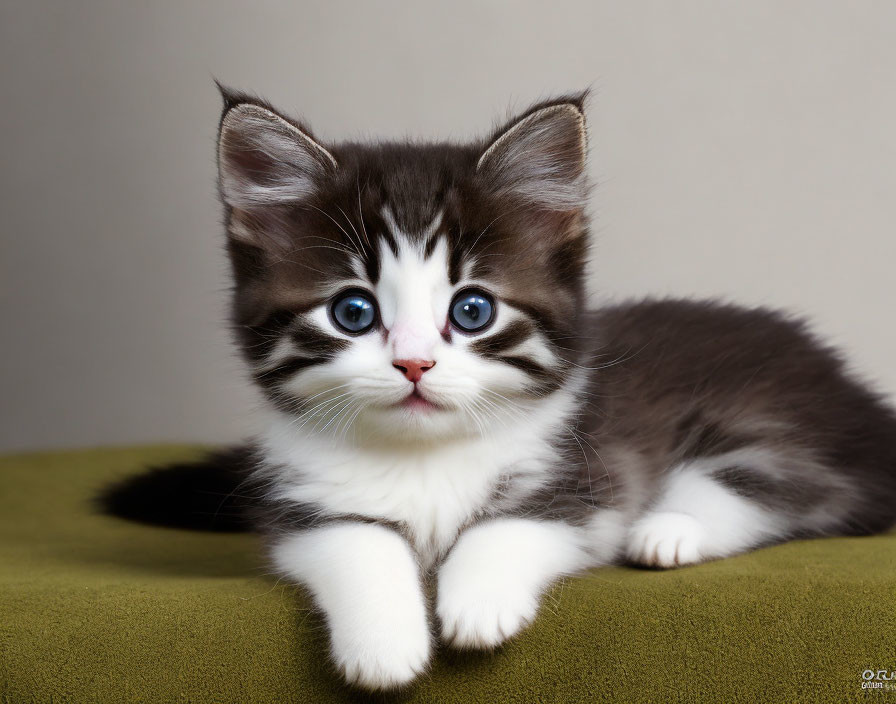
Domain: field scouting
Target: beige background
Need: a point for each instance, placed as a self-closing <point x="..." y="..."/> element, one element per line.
<point x="743" y="150"/>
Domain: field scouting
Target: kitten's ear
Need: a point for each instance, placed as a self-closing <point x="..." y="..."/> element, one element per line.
<point x="539" y="157"/>
<point x="265" y="160"/>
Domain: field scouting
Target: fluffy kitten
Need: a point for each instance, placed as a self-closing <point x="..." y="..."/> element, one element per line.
<point x="443" y="409"/>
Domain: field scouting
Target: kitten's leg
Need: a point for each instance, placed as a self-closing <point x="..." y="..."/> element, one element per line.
<point x="365" y="579"/>
<point x="490" y="584"/>
<point x="701" y="517"/>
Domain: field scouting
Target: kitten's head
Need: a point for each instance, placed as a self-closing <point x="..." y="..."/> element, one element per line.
<point x="402" y="291"/>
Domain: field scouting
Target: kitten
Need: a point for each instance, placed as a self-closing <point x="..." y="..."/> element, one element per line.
<point x="442" y="408"/>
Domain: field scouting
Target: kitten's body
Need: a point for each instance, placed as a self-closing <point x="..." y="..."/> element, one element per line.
<point x="549" y="440"/>
<point x="734" y="415"/>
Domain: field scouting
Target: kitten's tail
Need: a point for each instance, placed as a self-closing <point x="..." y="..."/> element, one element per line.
<point x="208" y="494"/>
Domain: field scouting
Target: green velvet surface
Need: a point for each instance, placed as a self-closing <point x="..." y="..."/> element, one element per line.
<point x="97" y="609"/>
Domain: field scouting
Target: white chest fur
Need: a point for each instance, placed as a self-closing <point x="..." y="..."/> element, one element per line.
<point x="431" y="491"/>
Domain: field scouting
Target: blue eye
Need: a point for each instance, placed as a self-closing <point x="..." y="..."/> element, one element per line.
<point x="472" y="310"/>
<point x="354" y="312"/>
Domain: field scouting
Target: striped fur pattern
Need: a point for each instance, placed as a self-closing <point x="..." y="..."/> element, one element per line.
<point x="552" y="439"/>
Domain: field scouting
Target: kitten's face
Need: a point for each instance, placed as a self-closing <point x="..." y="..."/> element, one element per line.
<point x="406" y="293"/>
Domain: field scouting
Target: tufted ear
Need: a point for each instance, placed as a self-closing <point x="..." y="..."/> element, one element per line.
<point x="264" y="160"/>
<point x="540" y="156"/>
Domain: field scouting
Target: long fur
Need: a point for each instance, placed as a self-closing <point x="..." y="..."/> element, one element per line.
<point x="552" y="439"/>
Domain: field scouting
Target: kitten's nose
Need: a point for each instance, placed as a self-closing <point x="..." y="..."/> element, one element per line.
<point x="413" y="368"/>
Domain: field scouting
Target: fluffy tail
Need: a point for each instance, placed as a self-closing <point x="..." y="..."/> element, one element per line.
<point x="203" y="495"/>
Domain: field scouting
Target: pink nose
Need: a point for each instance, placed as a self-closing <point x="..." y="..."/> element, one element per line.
<point x="413" y="368"/>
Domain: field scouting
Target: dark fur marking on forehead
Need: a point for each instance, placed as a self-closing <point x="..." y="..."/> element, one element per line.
<point x="455" y="264"/>
<point x="386" y="235"/>
<point x="411" y="180"/>
<point x="372" y="269"/>
<point x="430" y="245"/>
<point x="371" y="260"/>
<point x="393" y="244"/>
<point x="433" y="240"/>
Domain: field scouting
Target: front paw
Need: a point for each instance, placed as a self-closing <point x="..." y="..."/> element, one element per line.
<point x="388" y="658"/>
<point x="666" y="539"/>
<point x="477" y="616"/>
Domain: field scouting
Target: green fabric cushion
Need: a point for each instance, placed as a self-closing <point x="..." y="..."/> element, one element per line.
<point x="93" y="608"/>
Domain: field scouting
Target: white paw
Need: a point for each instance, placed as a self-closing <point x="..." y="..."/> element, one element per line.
<point x="666" y="540"/>
<point x="386" y="659"/>
<point x="476" y="616"/>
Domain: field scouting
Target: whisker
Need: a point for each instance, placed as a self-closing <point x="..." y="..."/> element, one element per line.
<point x="361" y="211"/>
<point x="352" y="225"/>
<point x="344" y="232"/>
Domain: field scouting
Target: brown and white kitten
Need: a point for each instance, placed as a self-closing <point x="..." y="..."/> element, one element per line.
<point x="443" y="408"/>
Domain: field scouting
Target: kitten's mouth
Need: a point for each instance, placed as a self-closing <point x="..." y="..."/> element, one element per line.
<point x="415" y="401"/>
